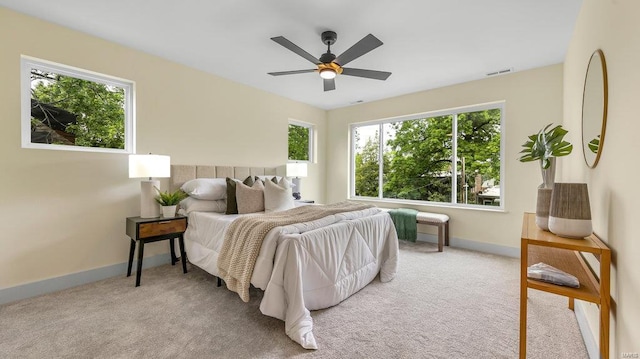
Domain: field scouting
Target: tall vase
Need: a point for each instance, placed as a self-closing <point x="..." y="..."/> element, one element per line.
<point x="549" y="174"/>
<point x="543" y="202"/>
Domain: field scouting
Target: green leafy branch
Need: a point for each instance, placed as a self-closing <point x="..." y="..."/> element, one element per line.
<point x="546" y="144"/>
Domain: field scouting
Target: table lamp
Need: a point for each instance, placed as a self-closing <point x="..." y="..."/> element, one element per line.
<point x="296" y="170"/>
<point x="148" y="166"/>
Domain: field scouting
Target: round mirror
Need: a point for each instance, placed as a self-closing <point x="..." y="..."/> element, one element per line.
<point x="594" y="108"/>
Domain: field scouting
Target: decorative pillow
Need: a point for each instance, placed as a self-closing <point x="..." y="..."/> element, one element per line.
<point x="250" y="199"/>
<point x="278" y="197"/>
<point x="274" y="179"/>
<point x="232" y="204"/>
<point x="191" y="204"/>
<point x="284" y="183"/>
<point x="206" y="188"/>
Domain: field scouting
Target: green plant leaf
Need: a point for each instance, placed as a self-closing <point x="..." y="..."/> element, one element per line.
<point x="547" y="143"/>
<point x="167" y="198"/>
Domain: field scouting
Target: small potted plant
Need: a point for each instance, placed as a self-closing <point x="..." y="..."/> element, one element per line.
<point x="169" y="201"/>
<point x="545" y="146"/>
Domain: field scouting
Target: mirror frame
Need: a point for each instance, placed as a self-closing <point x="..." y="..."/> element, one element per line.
<point x="605" y="99"/>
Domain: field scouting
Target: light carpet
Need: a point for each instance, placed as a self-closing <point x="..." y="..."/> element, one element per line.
<point x="454" y="304"/>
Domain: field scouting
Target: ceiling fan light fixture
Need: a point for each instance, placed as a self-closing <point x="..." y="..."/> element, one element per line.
<point x="328" y="73"/>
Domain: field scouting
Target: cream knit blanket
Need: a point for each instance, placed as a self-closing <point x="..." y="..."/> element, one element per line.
<point x="244" y="237"/>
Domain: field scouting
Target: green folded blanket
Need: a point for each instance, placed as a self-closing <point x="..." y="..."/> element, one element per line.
<point x="405" y="221"/>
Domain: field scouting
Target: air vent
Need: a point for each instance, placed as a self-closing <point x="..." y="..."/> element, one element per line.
<point x="500" y="72"/>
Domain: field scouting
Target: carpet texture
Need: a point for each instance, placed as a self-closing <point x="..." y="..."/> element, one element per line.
<point x="454" y="304"/>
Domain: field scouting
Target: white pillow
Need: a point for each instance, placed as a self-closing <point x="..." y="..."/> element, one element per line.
<point x="278" y="197"/>
<point x="284" y="183"/>
<point x="191" y="204"/>
<point x="206" y="188"/>
<point x="250" y="199"/>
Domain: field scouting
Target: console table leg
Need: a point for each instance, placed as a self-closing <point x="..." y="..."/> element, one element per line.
<point x="524" y="256"/>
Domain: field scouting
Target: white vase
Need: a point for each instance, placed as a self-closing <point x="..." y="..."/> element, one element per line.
<point x="169" y="211"/>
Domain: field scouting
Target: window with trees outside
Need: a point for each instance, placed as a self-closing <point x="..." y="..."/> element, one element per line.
<point x="67" y="108"/>
<point x="448" y="157"/>
<point x="300" y="141"/>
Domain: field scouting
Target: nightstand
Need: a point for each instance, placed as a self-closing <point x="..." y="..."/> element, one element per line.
<point x="147" y="230"/>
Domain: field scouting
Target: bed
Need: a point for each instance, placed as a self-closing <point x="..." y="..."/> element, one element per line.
<point x="301" y="266"/>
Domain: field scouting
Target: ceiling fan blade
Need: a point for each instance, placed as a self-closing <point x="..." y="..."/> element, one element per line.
<point x="295" y="48"/>
<point x="290" y="72"/>
<point x="370" y="74"/>
<point x="329" y="84"/>
<point x="360" y="48"/>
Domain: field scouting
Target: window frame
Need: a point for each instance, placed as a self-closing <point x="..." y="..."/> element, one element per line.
<point x="311" y="152"/>
<point x="27" y="63"/>
<point x="501" y="105"/>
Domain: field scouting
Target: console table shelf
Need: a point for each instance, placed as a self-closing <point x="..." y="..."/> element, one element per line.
<point x="565" y="254"/>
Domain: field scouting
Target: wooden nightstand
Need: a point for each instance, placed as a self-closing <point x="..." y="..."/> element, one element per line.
<point x="148" y="230"/>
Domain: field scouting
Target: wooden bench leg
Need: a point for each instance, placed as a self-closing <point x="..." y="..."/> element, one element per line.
<point x="440" y="237"/>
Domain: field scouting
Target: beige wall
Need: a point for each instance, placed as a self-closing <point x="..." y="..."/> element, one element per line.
<point x="533" y="99"/>
<point x="611" y="25"/>
<point x="64" y="212"/>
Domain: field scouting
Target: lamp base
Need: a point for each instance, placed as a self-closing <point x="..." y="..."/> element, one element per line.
<point x="296" y="188"/>
<point x="149" y="208"/>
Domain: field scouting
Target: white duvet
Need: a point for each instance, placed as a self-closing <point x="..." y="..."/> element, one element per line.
<point x="306" y="266"/>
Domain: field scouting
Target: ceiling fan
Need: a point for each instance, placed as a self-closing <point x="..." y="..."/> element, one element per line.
<point x="328" y="65"/>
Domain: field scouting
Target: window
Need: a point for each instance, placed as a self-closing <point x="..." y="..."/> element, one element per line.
<point x="411" y="158"/>
<point x="66" y="108"/>
<point x="300" y="141"/>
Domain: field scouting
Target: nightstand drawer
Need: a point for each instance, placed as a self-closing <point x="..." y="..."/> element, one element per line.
<point x="163" y="227"/>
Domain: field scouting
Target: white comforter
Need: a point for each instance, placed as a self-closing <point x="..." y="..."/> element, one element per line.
<point x="306" y="266"/>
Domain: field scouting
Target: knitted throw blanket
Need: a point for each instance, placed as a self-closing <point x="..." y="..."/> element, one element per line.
<point x="404" y="219"/>
<point x="244" y="237"/>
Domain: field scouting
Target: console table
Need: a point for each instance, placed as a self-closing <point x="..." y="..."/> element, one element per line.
<point x="565" y="254"/>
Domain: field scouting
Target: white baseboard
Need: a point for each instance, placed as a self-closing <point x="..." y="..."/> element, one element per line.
<point x="12" y="294"/>
<point x="585" y="330"/>
<point x="474" y="246"/>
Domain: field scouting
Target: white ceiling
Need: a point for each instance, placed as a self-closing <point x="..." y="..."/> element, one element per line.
<point x="427" y="43"/>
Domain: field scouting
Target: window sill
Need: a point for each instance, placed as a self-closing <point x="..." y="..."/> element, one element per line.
<point x="425" y="205"/>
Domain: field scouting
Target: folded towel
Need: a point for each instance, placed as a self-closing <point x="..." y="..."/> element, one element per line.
<point x="405" y="221"/>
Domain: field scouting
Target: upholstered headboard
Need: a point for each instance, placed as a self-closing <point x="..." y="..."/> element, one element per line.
<point x="183" y="173"/>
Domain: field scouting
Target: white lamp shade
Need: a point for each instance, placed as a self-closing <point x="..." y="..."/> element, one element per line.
<point x="149" y="166"/>
<point x="296" y="169"/>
